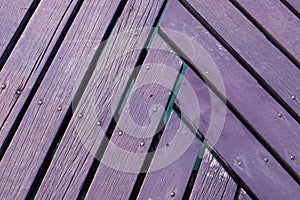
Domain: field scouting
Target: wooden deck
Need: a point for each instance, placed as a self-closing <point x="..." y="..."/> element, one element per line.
<point x="150" y="99"/>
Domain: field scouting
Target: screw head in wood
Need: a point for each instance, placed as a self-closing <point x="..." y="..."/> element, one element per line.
<point x="142" y="143"/>
<point x="279" y="114"/>
<point x="292" y="157"/>
<point x="3" y="86"/>
<point x="18" y="92"/>
<point x="59" y="108"/>
<point x="98" y="123"/>
<point x="40" y="102"/>
<point x="293" y="97"/>
<point x="173" y="194"/>
<point x="239" y="162"/>
<point x="120" y="133"/>
<point x="80" y="115"/>
<point x="266" y="159"/>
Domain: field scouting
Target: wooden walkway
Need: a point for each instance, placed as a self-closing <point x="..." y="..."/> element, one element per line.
<point x="150" y="99"/>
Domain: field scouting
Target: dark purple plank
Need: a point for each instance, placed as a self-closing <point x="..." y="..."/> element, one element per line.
<point x="212" y="181"/>
<point x="280" y="73"/>
<point x="277" y="20"/>
<point x="295" y="4"/>
<point x="172" y="163"/>
<point x="139" y="122"/>
<point x="98" y="103"/>
<point x="32" y="141"/>
<point x="253" y="102"/>
<point x="11" y="15"/>
<point x="264" y="114"/>
<point x="28" y="58"/>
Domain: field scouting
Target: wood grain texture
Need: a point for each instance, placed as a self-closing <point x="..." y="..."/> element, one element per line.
<point x="139" y="122"/>
<point x="250" y="100"/>
<point x="29" y="147"/>
<point x="84" y="134"/>
<point x="28" y="59"/>
<point x="267" y="61"/>
<point x="172" y="163"/>
<point x="212" y="181"/>
<point x="278" y="21"/>
<point x="11" y="15"/>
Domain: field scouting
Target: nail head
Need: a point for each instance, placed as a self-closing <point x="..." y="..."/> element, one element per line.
<point x="266" y="159"/>
<point x="40" y="102"/>
<point x="173" y="194"/>
<point x="59" y="108"/>
<point x="80" y="115"/>
<point x="3" y="86"/>
<point x="120" y="133"/>
<point x="142" y="144"/>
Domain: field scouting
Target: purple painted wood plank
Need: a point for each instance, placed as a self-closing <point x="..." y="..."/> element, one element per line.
<point x="279" y="73"/>
<point x="250" y="100"/>
<point x="172" y="163"/>
<point x="138" y="123"/>
<point x="29" y="147"/>
<point x="264" y="114"/>
<point x="96" y="108"/>
<point x="277" y="20"/>
<point x="242" y="152"/>
<point x="28" y="59"/>
<point x="295" y="4"/>
<point x="11" y="15"/>
<point x="212" y="181"/>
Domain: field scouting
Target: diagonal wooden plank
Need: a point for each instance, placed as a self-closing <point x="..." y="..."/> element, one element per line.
<point x="179" y="149"/>
<point x="212" y="181"/>
<point x="271" y="123"/>
<point x="27" y="61"/>
<point x="277" y="20"/>
<point x="270" y="67"/>
<point x="11" y="15"/>
<point x="246" y="97"/>
<point x="95" y="110"/>
<point x="139" y="122"/>
<point x="29" y="152"/>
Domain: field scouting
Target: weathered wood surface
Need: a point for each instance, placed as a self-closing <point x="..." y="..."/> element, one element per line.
<point x="212" y="181"/>
<point x="172" y="164"/>
<point x="268" y="64"/>
<point x="243" y="195"/>
<point x="271" y="122"/>
<point x="278" y="20"/>
<point x="28" y="60"/>
<point x="35" y="139"/>
<point x="11" y="15"/>
<point x="85" y="134"/>
<point x="254" y="104"/>
<point x="140" y="121"/>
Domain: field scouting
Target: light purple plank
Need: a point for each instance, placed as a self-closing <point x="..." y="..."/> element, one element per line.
<point x="28" y="59"/>
<point x="279" y="73"/>
<point x="250" y="100"/>
<point x="92" y="117"/>
<point x="178" y="149"/>
<point x="212" y="181"/>
<point x="139" y="122"/>
<point x="28" y="149"/>
<point x="11" y="15"/>
<point x="278" y="20"/>
<point x="281" y="131"/>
